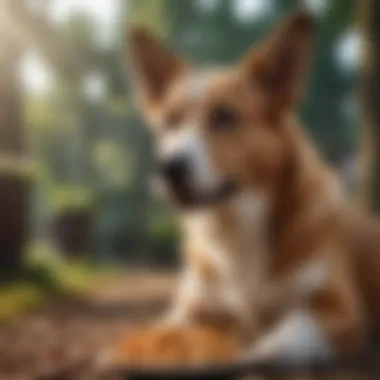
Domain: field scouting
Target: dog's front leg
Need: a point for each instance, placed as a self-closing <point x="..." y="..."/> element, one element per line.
<point x="202" y="299"/>
<point x="199" y="328"/>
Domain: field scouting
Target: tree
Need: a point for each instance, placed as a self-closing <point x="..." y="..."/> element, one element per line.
<point x="14" y="186"/>
<point x="72" y="54"/>
<point x="369" y="15"/>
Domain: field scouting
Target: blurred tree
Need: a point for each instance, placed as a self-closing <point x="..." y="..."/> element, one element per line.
<point x="369" y="14"/>
<point x="14" y="185"/>
<point x="128" y="207"/>
<point x="11" y="52"/>
<point x="329" y="84"/>
<point x="72" y="52"/>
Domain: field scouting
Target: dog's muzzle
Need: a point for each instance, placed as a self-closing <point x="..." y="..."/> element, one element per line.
<point x="176" y="173"/>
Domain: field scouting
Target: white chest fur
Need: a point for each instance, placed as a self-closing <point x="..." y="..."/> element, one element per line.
<point x="252" y="213"/>
<point x="239" y="256"/>
<point x="250" y="219"/>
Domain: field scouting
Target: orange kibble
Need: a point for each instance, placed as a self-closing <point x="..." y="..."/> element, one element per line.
<point x="163" y="345"/>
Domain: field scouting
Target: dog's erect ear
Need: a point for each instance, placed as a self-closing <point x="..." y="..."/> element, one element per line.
<point x="280" y="64"/>
<point x="153" y="65"/>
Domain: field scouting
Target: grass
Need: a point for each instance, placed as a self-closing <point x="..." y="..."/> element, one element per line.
<point x="18" y="298"/>
<point x="46" y="276"/>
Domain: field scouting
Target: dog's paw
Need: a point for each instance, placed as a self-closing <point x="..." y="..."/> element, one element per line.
<point x="169" y="345"/>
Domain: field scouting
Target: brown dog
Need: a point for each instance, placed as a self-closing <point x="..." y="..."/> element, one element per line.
<point x="266" y="231"/>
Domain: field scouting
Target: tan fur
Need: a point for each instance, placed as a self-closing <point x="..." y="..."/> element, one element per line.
<point x="287" y="241"/>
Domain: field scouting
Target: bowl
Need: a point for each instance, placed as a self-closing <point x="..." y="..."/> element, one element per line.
<point x="209" y="372"/>
<point x="237" y="370"/>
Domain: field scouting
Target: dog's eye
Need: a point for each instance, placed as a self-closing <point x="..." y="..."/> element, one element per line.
<point x="173" y="119"/>
<point x="223" y="117"/>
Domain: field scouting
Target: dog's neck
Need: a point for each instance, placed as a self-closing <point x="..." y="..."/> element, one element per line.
<point x="307" y="203"/>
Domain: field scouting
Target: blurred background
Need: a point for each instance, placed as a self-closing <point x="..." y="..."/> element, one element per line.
<point x="78" y="219"/>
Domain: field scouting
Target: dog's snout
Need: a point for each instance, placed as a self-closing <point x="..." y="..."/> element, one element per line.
<point x="175" y="169"/>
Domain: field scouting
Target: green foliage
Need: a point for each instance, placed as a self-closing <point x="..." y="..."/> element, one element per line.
<point x="18" y="298"/>
<point x="45" y="277"/>
<point x="40" y="114"/>
<point x="57" y="274"/>
<point x="163" y="237"/>
<point x="114" y="162"/>
<point x="66" y="198"/>
<point x="151" y="14"/>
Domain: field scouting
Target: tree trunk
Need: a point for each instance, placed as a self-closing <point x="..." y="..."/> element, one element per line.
<point x="369" y="16"/>
<point x="11" y="131"/>
<point x="14" y="185"/>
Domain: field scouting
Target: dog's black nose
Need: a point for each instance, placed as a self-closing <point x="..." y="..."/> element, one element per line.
<point x="175" y="170"/>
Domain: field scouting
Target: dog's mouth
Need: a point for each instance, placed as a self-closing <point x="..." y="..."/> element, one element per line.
<point x="188" y="198"/>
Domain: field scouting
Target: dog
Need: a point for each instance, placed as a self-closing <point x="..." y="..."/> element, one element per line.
<point x="271" y="249"/>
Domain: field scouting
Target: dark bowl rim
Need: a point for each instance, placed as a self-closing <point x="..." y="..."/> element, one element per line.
<point x="231" y="370"/>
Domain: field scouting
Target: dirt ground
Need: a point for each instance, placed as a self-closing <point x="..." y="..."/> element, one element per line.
<point x="62" y="341"/>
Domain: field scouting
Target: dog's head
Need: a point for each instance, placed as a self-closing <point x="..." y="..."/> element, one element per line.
<point x="220" y="129"/>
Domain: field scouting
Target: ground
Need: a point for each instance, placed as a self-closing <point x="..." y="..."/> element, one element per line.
<point x="64" y="337"/>
<point x="61" y="341"/>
